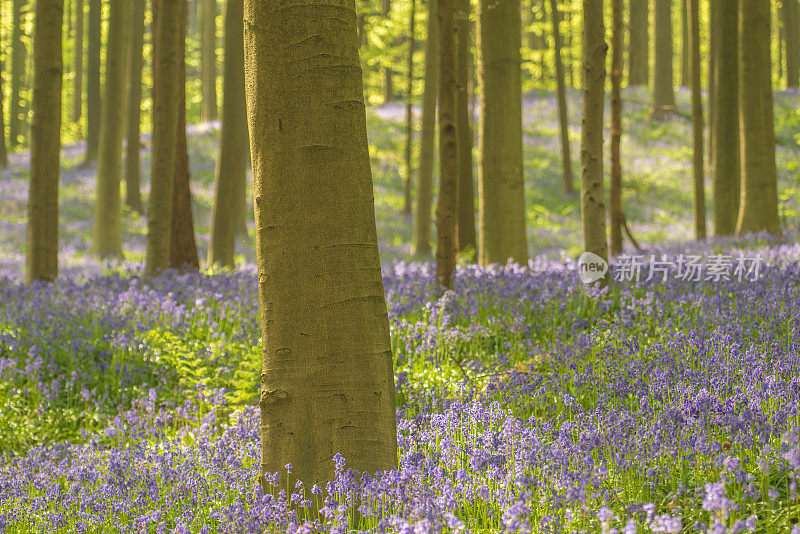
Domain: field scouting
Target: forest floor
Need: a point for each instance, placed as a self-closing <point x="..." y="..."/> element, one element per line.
<point x="526" y="402"/>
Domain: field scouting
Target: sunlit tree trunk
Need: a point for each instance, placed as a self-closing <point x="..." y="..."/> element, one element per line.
<point x="759" y="193"/>
<point x="447" y="198"/>
<point x="409" y="110"/>
<point x="697" y="121"/>
<point x="685" y="45"/>
<point x="593" y="207"/>
<point x="327" y="384"/>
<point x="77" y="64"/>
<point x="561" y="93"/>
<point x="791" y="33"/>
<point x="639" y="43"/>
<point x="18" y="55"/>
<point x="421" y="245"/>
<point x="133" y="195"/>
<point x="615" y="233"/>
<point x="94" y="34"/>
<point x="233" y="145"/>
<point x="41" y="259"/>
<point x="208" y="60"/>
<point x="465" y="226"/>
<point x="663" y="91"/>
<point x="500" y="175"/>
<point x="166" y="76"/>
<point x="107" y="230"/>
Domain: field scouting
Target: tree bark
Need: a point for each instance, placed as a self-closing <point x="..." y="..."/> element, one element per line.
<point x="421" y="240"/>
<point x="465" y="225"/>
<point x="208" y="60"/>
<point x="166" y="70"/>
<point x="232" y="159"/>
<point x="593" y="208"/>
<point x="93" y="104"/>
<point x="663" y="91"/>
<point x="182" y="246"/>
<point x="712" y="88"/>
<point x="500" y="175"/>
<point x="409" y="110"/>
<point x="639" y="43"/>
<point x="697" y="121"/>
<point x="561" y="93"/>
<point x="616" y="128"/>
<point x="447" y="198"/>
<point x="41" y="259"/>
<point x="107" y="229"/>
<point x="388" y="72"/>
<point x="791" y="33"/>
<point x="77" y="64"/>
<point x="725" y="129"/>
<point x="327" y="384"/>
<point x="759" y="193"/>
<point x="18" y="55"/>
<point x="133" y="195"/>
<point x="685" y="45"/>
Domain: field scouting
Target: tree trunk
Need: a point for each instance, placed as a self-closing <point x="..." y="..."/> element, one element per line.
<point x="697" y="121"/>
<point x="327" y="384"/>
<point x="421" y="245"/>
<point x="107" y="231"/>
<point x="561" y="93"/>
<point x="712" y="88"/>
<point x="232" y="159"/>
<point x="77" y="64"/>
<point x="93" y="79"/>
<point x="133" y="196"/>
<point x="685" y="45"/>
<point x="616" y="128"/>
<point x="593" y="208"/>
<point x="663" y="91"/>
<point x="388" y="73"/>
<point x="465" y="225"/>
<point x="791" y="32"/>
<point x="41" y="260"/>
<point x="447" y="198"/>
<point x="639" y="43"/>
<point x="759" y="194"/>
<point x="500" y="175"/>
<point x="725" y="129"/>
<point x="209" y="60"/>
<point x="3" y="150"/>
<point x="18" y="55"/>
<point x="409" y="110"/>
<point x="166" y="70"/>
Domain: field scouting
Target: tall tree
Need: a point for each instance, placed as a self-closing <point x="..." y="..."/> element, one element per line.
<point x="791" y="34"/>
<point x="3" y="149"/>
<point x="166" y="69"/>
<point x="501" y="194"/>
<point x="697" y="121"/>
<point x="208" y="60"/>
<point x="447" y="198"/>
<point x="593" y="207"/>
<point x="465" y="191"/>
<point x="77" y="64"/>
<point x="388" y="72"/>
<point x="561" y="93"/>
<point x="93" y="104"/>
<point x="107" y="228"/>
<point x="615" y="233"/>
<point x="18" y="55"/>
<point x="421" y="239"/>
<point x="182" y="246"/>
<point x="133" y="195"/>
<point x="759" y="194"/>
<point x="327" y="384"/>
<point x="233" y="143"/>
<point x="663" y="91"/>
<point x="41" y="259"/>
<point x="639" y="43"/>
<point x="409" y="109"/>
<point x="685" y="44"/>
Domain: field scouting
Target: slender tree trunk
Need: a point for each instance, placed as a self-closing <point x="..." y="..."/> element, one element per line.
<point x="3" y="149"/>
<point x="616" y="128"/>
<point x="18" y="55"/>
<point x="388" y="72"/>
<point x="593" y="207"/>
<point x="712" y="87"/>
<point x="697" y="121"/>
<point x="233" y="145"/>
<point x="77" y="64"/>
<point x="133" y="195"/>
<point x="327" y="384"/>
<point x="182" y="246"/>
<point x="209" y="60"/>
<point x="685" y="46"/>
<point x="791" y="32"/>
<point x="759" y="193"/>
<point x="561" y="93"/>
<point x="107" y="229"/>
<point x="447" y="199"/>
<point x="639" y="43"/>
<point x="409" y="110"/>
<point x="41" y="260"/>
<point x="663" y="91"/>
<point x="93" y="79"/>
<point x="725" y="129"/>
<point x="166" y="72"/>
<point x="569" y="45"/>
<point x="421" y="245"/>
<point x="500" y="175"/>
<point x="465" y="226"/>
